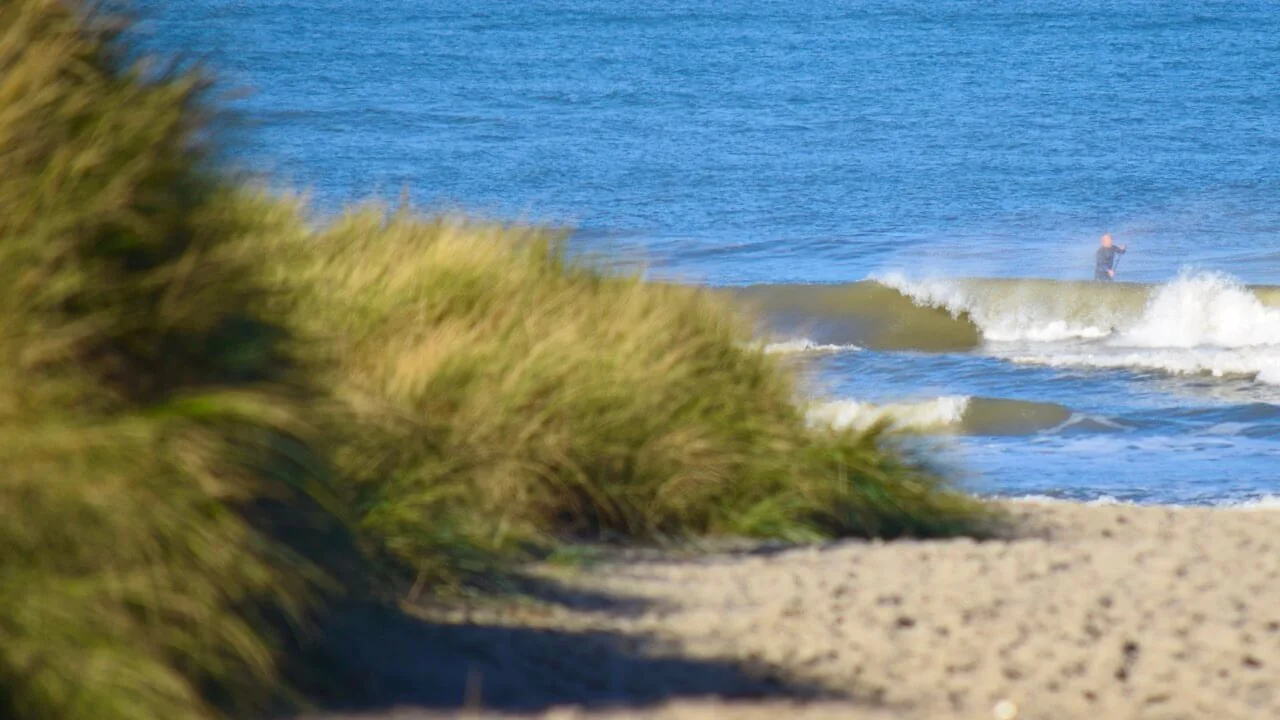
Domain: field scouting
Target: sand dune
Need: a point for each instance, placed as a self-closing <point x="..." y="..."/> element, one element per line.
<point x="1092" y="612"/>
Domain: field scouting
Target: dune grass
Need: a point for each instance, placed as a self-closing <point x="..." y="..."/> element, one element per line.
<point x="503" y="396"/>
<point x="201" y="392"/>
<point x="146" y="403"/>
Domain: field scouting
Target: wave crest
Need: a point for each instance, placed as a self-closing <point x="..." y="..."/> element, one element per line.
<point x="1203" y="310"/>
<point x="1011" y="311"/>
<point x="1199" y="323"/>
<point x="958" y="414"/>
<point x="805" y="345"/>
<point x="928" y="415"/>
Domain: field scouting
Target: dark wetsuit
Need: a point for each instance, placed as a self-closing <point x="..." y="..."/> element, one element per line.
<point x="1106" y="261"/>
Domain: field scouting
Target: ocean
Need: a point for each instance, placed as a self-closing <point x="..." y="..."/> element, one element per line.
<point x="911" y="193"/>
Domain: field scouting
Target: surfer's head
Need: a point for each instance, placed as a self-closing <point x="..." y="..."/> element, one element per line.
<point x="1106" y="240"/>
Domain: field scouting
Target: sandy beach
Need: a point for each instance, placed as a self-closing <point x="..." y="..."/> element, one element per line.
<point x="1089" y="612"/>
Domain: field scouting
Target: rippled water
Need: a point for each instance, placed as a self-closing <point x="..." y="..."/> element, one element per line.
<point x="924" y="144"/>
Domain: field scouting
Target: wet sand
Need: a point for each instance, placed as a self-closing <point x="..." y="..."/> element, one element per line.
<point x="1091" y="612"/>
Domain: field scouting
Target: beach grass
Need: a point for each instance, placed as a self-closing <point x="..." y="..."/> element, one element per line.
<point x="502" y="396"/>
<point x="149" y="412"/>
<point x="207" y="399"/>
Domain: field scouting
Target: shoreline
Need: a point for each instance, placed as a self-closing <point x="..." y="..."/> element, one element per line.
<point x="1091" y="611"/>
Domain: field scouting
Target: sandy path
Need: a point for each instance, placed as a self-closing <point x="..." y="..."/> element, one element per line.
<point x="1101" y="612"/>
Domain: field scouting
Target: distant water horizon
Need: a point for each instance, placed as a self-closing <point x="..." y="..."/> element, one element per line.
<point x="912" y="192"/>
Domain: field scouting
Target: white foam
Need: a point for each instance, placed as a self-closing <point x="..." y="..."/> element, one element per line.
<point x="1199" y="323"/>
<point x="1050" y="500"/>
<point x="933" y="414"/>
<point x="1001" y="318"/>
<point x="1263" y="504"/>
<point x="1204" y="309"/>
<point x="1033" y="499"/>
<point x="1262" y="365"/>
<point x="805" y="345"/>
<point x="1266" y="502"/>
<point x="1227" y="428"/>
<point x="1108" y="500"/>
<point x="1081" y="418"/>
<point x="1202" y="323"/>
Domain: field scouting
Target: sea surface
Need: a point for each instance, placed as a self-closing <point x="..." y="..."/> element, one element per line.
<point x="911" y="193"/>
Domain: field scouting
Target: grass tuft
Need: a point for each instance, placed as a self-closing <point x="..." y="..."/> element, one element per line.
<point x="146" y="402"/>
<point x="502" y="396"/>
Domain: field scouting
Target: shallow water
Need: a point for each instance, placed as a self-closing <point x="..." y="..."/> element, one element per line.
<point x="862" y="167"/>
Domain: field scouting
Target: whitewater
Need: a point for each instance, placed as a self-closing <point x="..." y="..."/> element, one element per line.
<point x="1095" y="381"/>
<point x="1199" y="323"/>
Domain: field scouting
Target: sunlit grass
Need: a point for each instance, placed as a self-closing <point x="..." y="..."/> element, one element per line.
<point x="502" y="395"/>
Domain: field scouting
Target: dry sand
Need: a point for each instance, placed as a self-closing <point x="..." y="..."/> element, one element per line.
<point x="1093" y="612"/>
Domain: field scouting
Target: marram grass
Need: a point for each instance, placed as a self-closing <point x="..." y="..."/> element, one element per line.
<point x="146" y="403"/>
<point x="501" y="395"/>
<point x="199" y="390"/>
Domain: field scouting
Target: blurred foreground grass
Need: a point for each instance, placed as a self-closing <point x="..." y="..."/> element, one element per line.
<point x="214" y="416"/>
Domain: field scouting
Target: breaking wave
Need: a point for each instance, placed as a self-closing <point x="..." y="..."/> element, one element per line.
<point x="1262" y="366"/>
<point x="956" y="414"/>
<point x="1005" y="311"/>
<point x="1263" y="503"/>
<point x="1198" y="323"/>
<point x="929" y="415"/>
<point x="1037" y="499"/>
<point x="805" y="345"/>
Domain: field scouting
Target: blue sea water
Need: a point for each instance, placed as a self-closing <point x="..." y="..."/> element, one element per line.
<point x="823" y="143"/>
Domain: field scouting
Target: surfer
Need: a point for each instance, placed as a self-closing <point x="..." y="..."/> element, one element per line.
<point x="1105" y="269"/>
